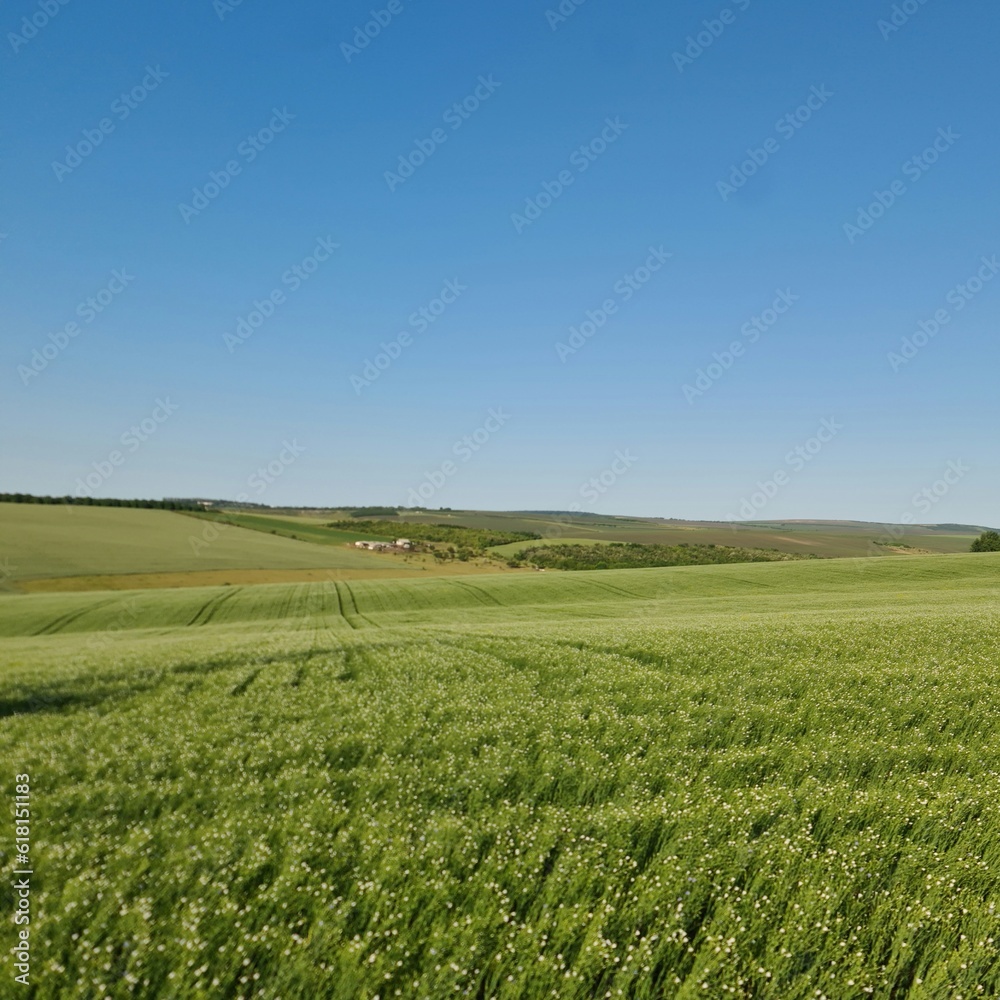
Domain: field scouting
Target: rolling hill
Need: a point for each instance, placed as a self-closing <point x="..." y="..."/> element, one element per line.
<point x="770" y="779"/>
<point x="52" y="546"/>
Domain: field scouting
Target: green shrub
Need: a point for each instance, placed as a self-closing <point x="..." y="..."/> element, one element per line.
<point x="988" y="541"/>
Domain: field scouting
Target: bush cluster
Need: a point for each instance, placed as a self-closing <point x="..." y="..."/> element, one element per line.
<point x="988" y="541"/>
<point x="461" y="540"/>
<point x="637" y="555"/>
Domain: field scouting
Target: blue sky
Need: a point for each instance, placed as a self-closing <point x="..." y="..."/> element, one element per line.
<point x="176" y="166"/>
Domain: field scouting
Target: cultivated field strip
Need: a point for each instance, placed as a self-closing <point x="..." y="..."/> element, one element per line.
<point x="58" y="541"/>
<point x="651" y="593"/>
<point x="743" y="807"/>
<point x="788" y="787"/>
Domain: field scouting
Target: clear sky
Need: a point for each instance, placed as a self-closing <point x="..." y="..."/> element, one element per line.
<point x="663" y="174"/>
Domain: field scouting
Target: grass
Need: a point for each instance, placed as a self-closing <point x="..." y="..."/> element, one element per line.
<point x="301" y="528"/>
<point x="822" y="538"/>
<point x="740" y="590"/>
<point x="57" y="547"/>
<point x="230" y="577"/>
<point x="57" y="541"/>
<point x="766" y="780"/>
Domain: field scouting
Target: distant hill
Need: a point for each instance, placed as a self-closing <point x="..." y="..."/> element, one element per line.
<point x="92" y="544"/>
<point x="41" y="542"/>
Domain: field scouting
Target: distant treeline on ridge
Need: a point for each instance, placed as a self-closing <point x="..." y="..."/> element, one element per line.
<point x="99" y="502"/>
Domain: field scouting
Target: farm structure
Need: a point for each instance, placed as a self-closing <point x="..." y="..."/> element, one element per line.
<point x="403" y="544"/>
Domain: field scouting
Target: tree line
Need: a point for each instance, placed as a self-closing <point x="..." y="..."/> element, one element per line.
<point x="98" y="502"/>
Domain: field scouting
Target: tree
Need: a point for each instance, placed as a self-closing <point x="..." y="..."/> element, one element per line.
<point x="988" y="541"/>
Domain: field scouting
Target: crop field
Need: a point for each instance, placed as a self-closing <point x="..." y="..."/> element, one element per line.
<point x="61" y="548"/>
<point x="304" y="528"/>
<point x="56" y="541"/>
<point x="836" y="539"/>
<point x="767" y="780"/>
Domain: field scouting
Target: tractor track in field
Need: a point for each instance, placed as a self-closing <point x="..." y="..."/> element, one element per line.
<point x="211" y="607"/>
<point x="58" y="624"/>
<point x="640" y="657"/>
<point x="343" y="607"/>
<point x="241" y="687"/>
<point x="354" y="604"/>
<point x="484" y="597"/>
<point x="616" y="590"/>
<point x="340" y="603"/>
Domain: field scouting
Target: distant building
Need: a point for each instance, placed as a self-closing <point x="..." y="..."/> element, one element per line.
<point x="404" y="543"/>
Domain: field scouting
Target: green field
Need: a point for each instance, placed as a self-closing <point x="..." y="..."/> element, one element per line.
<point x="765" y="780"/>
<point x="304" y="528"/>
<point x="41" y="541"/>
<point x="57" y="542"/>
<point x="822" y="538"/>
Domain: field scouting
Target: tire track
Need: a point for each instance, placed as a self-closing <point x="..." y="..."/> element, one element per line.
<point x="343" y="606"/>
<point x="57" y="624"/>
<point x="616" y="590"/>
<point x="483" y="596"/>
<point x="357" y="611"/>
<point x="210" y="608"/>
<point x="241" y="688"/>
